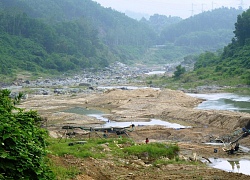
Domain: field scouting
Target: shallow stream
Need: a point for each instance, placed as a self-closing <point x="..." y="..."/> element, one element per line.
<point x="224" y="101"/>
<point x="100" y="116"/>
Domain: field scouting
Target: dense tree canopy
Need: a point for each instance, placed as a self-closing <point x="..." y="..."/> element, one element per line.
<point x="209" y="30"/>
<point x="52" y="36"/>
<point x="242" y="28"/>
<point x="159" y="22"/>
<point x="234" y="61"/>
<point x="32" y="45"/>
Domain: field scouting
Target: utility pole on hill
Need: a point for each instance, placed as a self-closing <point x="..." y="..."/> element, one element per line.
<point x="192" y="10"/>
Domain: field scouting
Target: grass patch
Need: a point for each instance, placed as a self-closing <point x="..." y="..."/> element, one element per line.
<point x="92" y="148"/>
<point x="89" y="149"/>
<point x="153" y="151"/>
<point x="64" y="173"/>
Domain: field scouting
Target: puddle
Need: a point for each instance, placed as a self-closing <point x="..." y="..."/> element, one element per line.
<point x="82" y="111"/>
<point x="229" y="165"/>
<point x="99" y="115"/>
<point x="124" y="87"/>
<point x="137" y="123"/>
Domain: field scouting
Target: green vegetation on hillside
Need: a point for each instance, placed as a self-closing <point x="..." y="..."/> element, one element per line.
<point x="32" y="45"/>
<point x="159" y="22"/>
<point x="234" y="63"/>
<point x="229" y="67"/>
<point x="51" y="36"/>
<point x="209" y="30"/>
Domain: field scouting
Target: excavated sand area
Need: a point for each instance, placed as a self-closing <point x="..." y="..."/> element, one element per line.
<point x="143" y="105"/>
<point x="169" y="105"/>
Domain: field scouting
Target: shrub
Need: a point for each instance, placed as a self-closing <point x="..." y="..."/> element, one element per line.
<point x="22" y="142"/>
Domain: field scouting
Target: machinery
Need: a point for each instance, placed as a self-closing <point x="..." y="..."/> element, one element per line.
<point x="234" y="145"/>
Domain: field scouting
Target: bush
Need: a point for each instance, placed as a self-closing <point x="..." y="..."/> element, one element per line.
<point x="179" y="71"/>
<point x="22" y="142"/>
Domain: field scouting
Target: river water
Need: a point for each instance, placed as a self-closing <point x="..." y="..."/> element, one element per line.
<point x="229" y="102"/>
<point x="224" y="101"/>
<point x="138" y="123"/>
<point x="100" y="116"/>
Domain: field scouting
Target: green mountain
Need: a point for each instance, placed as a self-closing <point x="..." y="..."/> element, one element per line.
<point x="209" y="30"/>
<point x="232" y="65"/>
<point x="177" y="38"/>
<point x="52" y="36"/>
<point x="159" y="22"/>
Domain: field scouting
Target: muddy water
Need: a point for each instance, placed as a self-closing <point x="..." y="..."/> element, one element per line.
<point x="224" y="101"/>
<point x="138" y="123"/>
<point x="82" y="111"/>
<point x="99" y="115"/>
<point x="230" y="165"/>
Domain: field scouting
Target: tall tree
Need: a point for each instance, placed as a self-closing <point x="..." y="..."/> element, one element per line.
<point x="242" y="27"/>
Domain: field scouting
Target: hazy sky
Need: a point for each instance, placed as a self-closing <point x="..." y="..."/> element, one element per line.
<point x="181" y="8"/>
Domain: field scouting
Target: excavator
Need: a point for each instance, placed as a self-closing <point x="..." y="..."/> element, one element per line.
<point x="234" y="145"/>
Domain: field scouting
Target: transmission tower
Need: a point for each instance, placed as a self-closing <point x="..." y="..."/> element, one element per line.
<point x="241" y="4"/>
<point x="202" y="7"/>
<point x="192" y="10"/>
<point x="213" y="5"/>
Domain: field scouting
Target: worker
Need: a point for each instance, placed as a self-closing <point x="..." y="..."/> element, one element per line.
<point x="237" y="146"/>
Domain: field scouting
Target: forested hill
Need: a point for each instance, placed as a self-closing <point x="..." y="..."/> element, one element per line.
<point x="52" y="35"/>
<point x="209" y="30"/>
<point x="61" y="35"/>
<point x="232" y="66"/>
<point x="114" y="27"/>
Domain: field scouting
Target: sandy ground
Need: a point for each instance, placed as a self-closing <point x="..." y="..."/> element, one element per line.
<point x="142" y="105"/>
